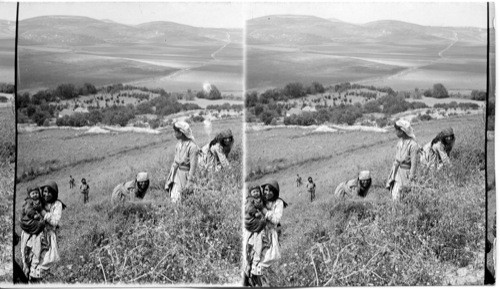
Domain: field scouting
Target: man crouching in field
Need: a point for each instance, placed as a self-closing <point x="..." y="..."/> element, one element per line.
<point x="132" y="190"/>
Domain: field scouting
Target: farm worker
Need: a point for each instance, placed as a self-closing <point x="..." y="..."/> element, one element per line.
<point x="270" y="253"/>
<point x="53" y="207"/>
<point x="214" y="154"/>
<point x="71" y="182"/>
<point x="355" y="187"/>
<point x="84" y="190"/>
<point x="406" y="159"/>
<point x="311" y="188"/>
<point x="436" y="153"/>
<point x="131" y="190"/>
<point x="180" y="180"/>
<point x="299" y="181"/>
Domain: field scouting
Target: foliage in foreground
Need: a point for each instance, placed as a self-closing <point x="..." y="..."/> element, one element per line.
<point x="7" y="167"/>
<point x="439" y="225"/>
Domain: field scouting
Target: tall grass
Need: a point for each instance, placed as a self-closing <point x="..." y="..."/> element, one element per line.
<point x="7" y="167"/>
<point x="437" y="227"/>
<point x="155" y="241"/>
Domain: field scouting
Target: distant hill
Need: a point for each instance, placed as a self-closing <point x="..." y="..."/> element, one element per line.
<point x="78" y="31"/>
<point x="311" y="30"/>
<point x="7" y="29"/>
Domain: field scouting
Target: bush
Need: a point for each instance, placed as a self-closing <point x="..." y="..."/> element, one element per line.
<point x="425" y="117"/>
<point x="294" y="90"/>
<point x="478" y="95"/>
<point x="439" y="91"/>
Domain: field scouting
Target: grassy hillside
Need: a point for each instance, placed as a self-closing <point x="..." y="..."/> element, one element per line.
<point x="152" y="242"/>
<point x="434" y="236"/>
<point x="7" y="166"/>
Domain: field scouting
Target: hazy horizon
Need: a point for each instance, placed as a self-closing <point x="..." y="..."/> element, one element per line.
<point x="202" y="14"/>
<point x="438" y="14"/>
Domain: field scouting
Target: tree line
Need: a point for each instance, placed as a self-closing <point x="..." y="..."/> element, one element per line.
<point x="44" y="105"/>
<point x="7" y="88"/>
<point x="273" y="104"/>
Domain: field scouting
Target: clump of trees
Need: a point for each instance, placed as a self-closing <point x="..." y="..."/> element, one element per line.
<point x="7" y="88"/>
<point x="272" y="104"/>
<point x="478" y="95"/>
<point x="225" y="106"/>
<point x="212" y="93"/>
<point x="44" y="105"/>
<point x="455" y="105"/>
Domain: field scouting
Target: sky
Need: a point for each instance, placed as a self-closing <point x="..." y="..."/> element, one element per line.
<point x="214" y="14"/>
<point x="427" y="14"/>
<point x="8" y="11"/>
<point x="233" y="14"/>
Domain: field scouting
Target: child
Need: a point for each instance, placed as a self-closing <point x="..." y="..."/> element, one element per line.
<point x="32" y="221"/>
<point x="311" y="188"/>
<point x="254" y="219"/>
<point x="84" y="189"/>
<point x="255" y="223"/>
<point x="33" y="225"/>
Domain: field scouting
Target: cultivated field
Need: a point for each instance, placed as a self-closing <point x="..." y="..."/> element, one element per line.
<point x="175" y="67"/>
<point x="7" y="50"/>
<point x="283" y="49"/>
<point x="7" y="166"/>
<point x="156" y="242"/>
<point x="435" y="236"/>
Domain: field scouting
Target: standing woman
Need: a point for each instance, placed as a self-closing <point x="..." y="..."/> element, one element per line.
<point x="214" y="154"/>
<point x="405" y="164"/>
<point x="181" y="176"/>
<point x="273" y="211"/>
<point x="437" y="152"/>
<point x="51" y="215"/>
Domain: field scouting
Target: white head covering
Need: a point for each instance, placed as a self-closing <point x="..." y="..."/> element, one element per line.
<point x="142" y="177"/>
<point x="364" y="175"/>
<point x="405" y="126"/>
<point x="185" y="129"/>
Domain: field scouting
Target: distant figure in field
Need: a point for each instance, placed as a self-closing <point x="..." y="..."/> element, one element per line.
<point x="180" y="180"/>
<point x="214" y="154"/>
<point x="355" y="187"/>
<point x="84" y="190"/>
<point x="71" y="182"/>
<point x="311" y="188"/>
<point x="404" y="168"/>
<point x="436" y="153"/>
<point x="299" y="181"/>
<point x="131" y="190"/>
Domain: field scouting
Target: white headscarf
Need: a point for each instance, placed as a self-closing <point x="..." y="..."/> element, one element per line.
<point x="405" y="126"/>
<point x="185" y="129"/>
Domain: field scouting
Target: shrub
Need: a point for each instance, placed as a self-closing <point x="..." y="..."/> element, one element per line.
<point x="439" y="91"/>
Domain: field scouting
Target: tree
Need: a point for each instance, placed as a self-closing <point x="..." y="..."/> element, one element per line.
<point x="478" y="95"/>
<point x="214" y="93"/>
<point x="439" y="91"/>
<point x="294" y="90"/>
